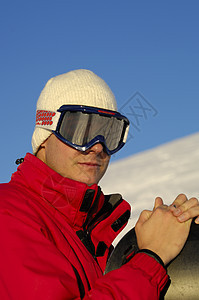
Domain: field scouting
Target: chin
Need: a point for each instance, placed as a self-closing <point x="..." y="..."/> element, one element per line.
<point x="89" y="181"/>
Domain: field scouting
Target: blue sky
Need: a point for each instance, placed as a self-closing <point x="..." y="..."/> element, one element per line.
<point x="147" y="51"/>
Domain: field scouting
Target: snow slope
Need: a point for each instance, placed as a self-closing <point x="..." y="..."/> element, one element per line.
<point x="164" y="171"/>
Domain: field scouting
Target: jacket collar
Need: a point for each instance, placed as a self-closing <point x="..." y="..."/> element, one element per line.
<point x="76" y="201"/>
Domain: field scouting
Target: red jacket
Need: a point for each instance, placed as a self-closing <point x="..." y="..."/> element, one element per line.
<point x="55" y="237"/>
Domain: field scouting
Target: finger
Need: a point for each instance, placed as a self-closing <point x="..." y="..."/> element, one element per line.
<point x="158" y="202"/>
<point x="186" y="206"/>
<point x="144" y="216"/>
<point x="190" y="214"/>
<point x="179" y="200"/>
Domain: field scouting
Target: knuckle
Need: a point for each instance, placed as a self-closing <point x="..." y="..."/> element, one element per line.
<point x="182" y="197"/>
<point x="147" y="212"/>
<point x="194" y="200"/>
<point x="161" y="209"/>
<point x="143" y="212"/>
<point x="158" y="209"/>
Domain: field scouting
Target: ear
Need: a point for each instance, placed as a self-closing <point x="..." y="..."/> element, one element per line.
<point x="41" y="151"/>
<point x="43" y="145"/>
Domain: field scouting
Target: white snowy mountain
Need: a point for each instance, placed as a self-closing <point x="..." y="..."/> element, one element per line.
<point x="164" y="171"/>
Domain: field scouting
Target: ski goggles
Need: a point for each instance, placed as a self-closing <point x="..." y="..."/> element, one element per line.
<point x="81" y="127"/>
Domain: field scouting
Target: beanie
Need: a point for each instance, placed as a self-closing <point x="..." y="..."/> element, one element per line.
<point x="77" y="87"/>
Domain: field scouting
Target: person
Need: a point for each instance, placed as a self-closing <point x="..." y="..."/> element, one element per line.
<point x="57" y="226"/>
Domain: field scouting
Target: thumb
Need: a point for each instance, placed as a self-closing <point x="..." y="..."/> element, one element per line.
<point x="158" y="202"/>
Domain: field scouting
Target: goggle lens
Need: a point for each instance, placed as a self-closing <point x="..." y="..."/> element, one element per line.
<point x="80" y="128"/>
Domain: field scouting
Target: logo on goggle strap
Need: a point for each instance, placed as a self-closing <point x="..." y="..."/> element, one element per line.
<point x="44" y="117"/>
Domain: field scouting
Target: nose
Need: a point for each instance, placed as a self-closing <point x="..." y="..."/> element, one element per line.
<point x="97" y="148"/>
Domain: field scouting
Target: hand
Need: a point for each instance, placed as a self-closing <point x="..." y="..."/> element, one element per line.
<point x="161" y="232"/>
<point x="185" y="209"/>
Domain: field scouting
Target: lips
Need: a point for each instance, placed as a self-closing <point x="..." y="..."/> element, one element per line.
<point x="91" y="164"/>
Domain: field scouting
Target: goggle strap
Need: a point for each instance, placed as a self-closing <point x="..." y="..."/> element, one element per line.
<point x="47" y="119"/>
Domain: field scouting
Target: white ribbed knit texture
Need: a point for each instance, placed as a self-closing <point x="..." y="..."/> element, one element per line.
<point x="78" y="87"/>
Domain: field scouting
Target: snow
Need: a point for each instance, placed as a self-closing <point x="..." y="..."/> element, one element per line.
<point x="164" y="171"/>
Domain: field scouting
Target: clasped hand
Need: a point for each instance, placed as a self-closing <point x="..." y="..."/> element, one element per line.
<point x="165" y="229"/>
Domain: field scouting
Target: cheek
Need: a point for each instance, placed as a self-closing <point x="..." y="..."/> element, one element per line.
<point x="54" y="156"/>
<point x="107" y="161"/>
<point x="105" y="166"/>
<point x="65" y="159"/>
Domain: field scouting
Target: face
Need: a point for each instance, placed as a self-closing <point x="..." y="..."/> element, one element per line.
<point x="87" y="167"/>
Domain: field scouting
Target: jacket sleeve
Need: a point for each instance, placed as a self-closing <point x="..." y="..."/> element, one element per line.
<point x="31" y="267"/>
<point x="141" y="278"/>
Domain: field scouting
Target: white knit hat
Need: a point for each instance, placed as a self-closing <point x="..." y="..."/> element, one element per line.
<point x="78" y="87"/>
